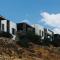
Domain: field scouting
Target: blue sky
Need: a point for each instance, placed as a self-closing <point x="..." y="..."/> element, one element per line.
<point x="18" y="10"/>
<point x="29" y="10"/>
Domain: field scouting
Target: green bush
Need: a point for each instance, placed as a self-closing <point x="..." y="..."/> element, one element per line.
<point x="56" y="41"/>
<point x="47" y="42"/>
<point x="29" y="36"/>
<point x="5" y="34"/>
<point x="33" y="37"/>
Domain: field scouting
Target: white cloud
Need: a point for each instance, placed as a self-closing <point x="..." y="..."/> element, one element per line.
<point x="26" y="21"/>
<point x="52" y="20"/>
<point x="56" y="30"/>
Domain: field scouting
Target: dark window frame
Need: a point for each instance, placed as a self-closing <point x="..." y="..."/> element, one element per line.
<point x="13" y="31"/>
<point x="42" y="33"/>
<point x="2" y="27"/>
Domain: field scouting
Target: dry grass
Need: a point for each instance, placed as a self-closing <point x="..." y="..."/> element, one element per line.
<point x="9" y="50"/>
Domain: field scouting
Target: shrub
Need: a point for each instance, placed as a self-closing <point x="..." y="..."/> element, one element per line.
<point x="29" y="36"/>
<point x="47" y="42"/>
<point x="33" y="37"/>
<point x="56" y="41"/>
<point x="5" y="34"/>
<point x="22" y="40"/>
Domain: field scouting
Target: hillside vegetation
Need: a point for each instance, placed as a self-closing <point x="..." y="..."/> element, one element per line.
<point x="10" y="50"/>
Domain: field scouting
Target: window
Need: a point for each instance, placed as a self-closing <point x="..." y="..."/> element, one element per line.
<point x="13" y="31"/>
<point x="42" y="33"/>
<point x="0" y="24"/>
<point x="24" y="30"/>
<point x="2" y="27"/>
<point x="33" y="30"/>
<point x="8" y="26"/>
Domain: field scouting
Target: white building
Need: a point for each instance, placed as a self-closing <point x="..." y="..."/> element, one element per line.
<point x="39" y="30"/>
<point x="8" y="26"/>
<point x="11" y="27"/>
<point x="49" y="33"/>
<point x="43" y="32"/>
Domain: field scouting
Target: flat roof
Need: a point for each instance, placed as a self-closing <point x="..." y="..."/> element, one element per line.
<point x="2" y="18"/>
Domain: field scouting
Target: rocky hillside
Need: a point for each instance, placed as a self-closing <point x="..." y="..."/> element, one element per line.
<point x="9" y="50"/>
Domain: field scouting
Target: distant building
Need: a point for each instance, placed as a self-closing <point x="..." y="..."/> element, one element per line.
<point x="43" y="32"/>
<point x="24" y="27"/>
<point x="8" y="26"/>
<point x="12" y="28"/>
<point x="39" y="30"/>
<point x="48" y="34"/>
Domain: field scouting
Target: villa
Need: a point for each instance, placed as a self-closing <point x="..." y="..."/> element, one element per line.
<point x="12" y="28"/>
<point x="8" y="26"/>
<point x="24" y="27"/>
<point x="43" y="32"/>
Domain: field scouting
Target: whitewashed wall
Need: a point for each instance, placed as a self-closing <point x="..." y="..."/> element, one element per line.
<point x="38" y="28"/>
<point x="49" y="32"/>
<point x="5" y="24"/>
<point x="12" y="25"/>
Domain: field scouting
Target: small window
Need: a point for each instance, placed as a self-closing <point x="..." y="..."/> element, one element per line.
<point x="33" y="30"/>
<point x="42" y="33"/>
<point x="0" y="24"/>
<point x="2" y="27"/>
<point x="13" y="31"/>
<point x="24" y="30"/>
